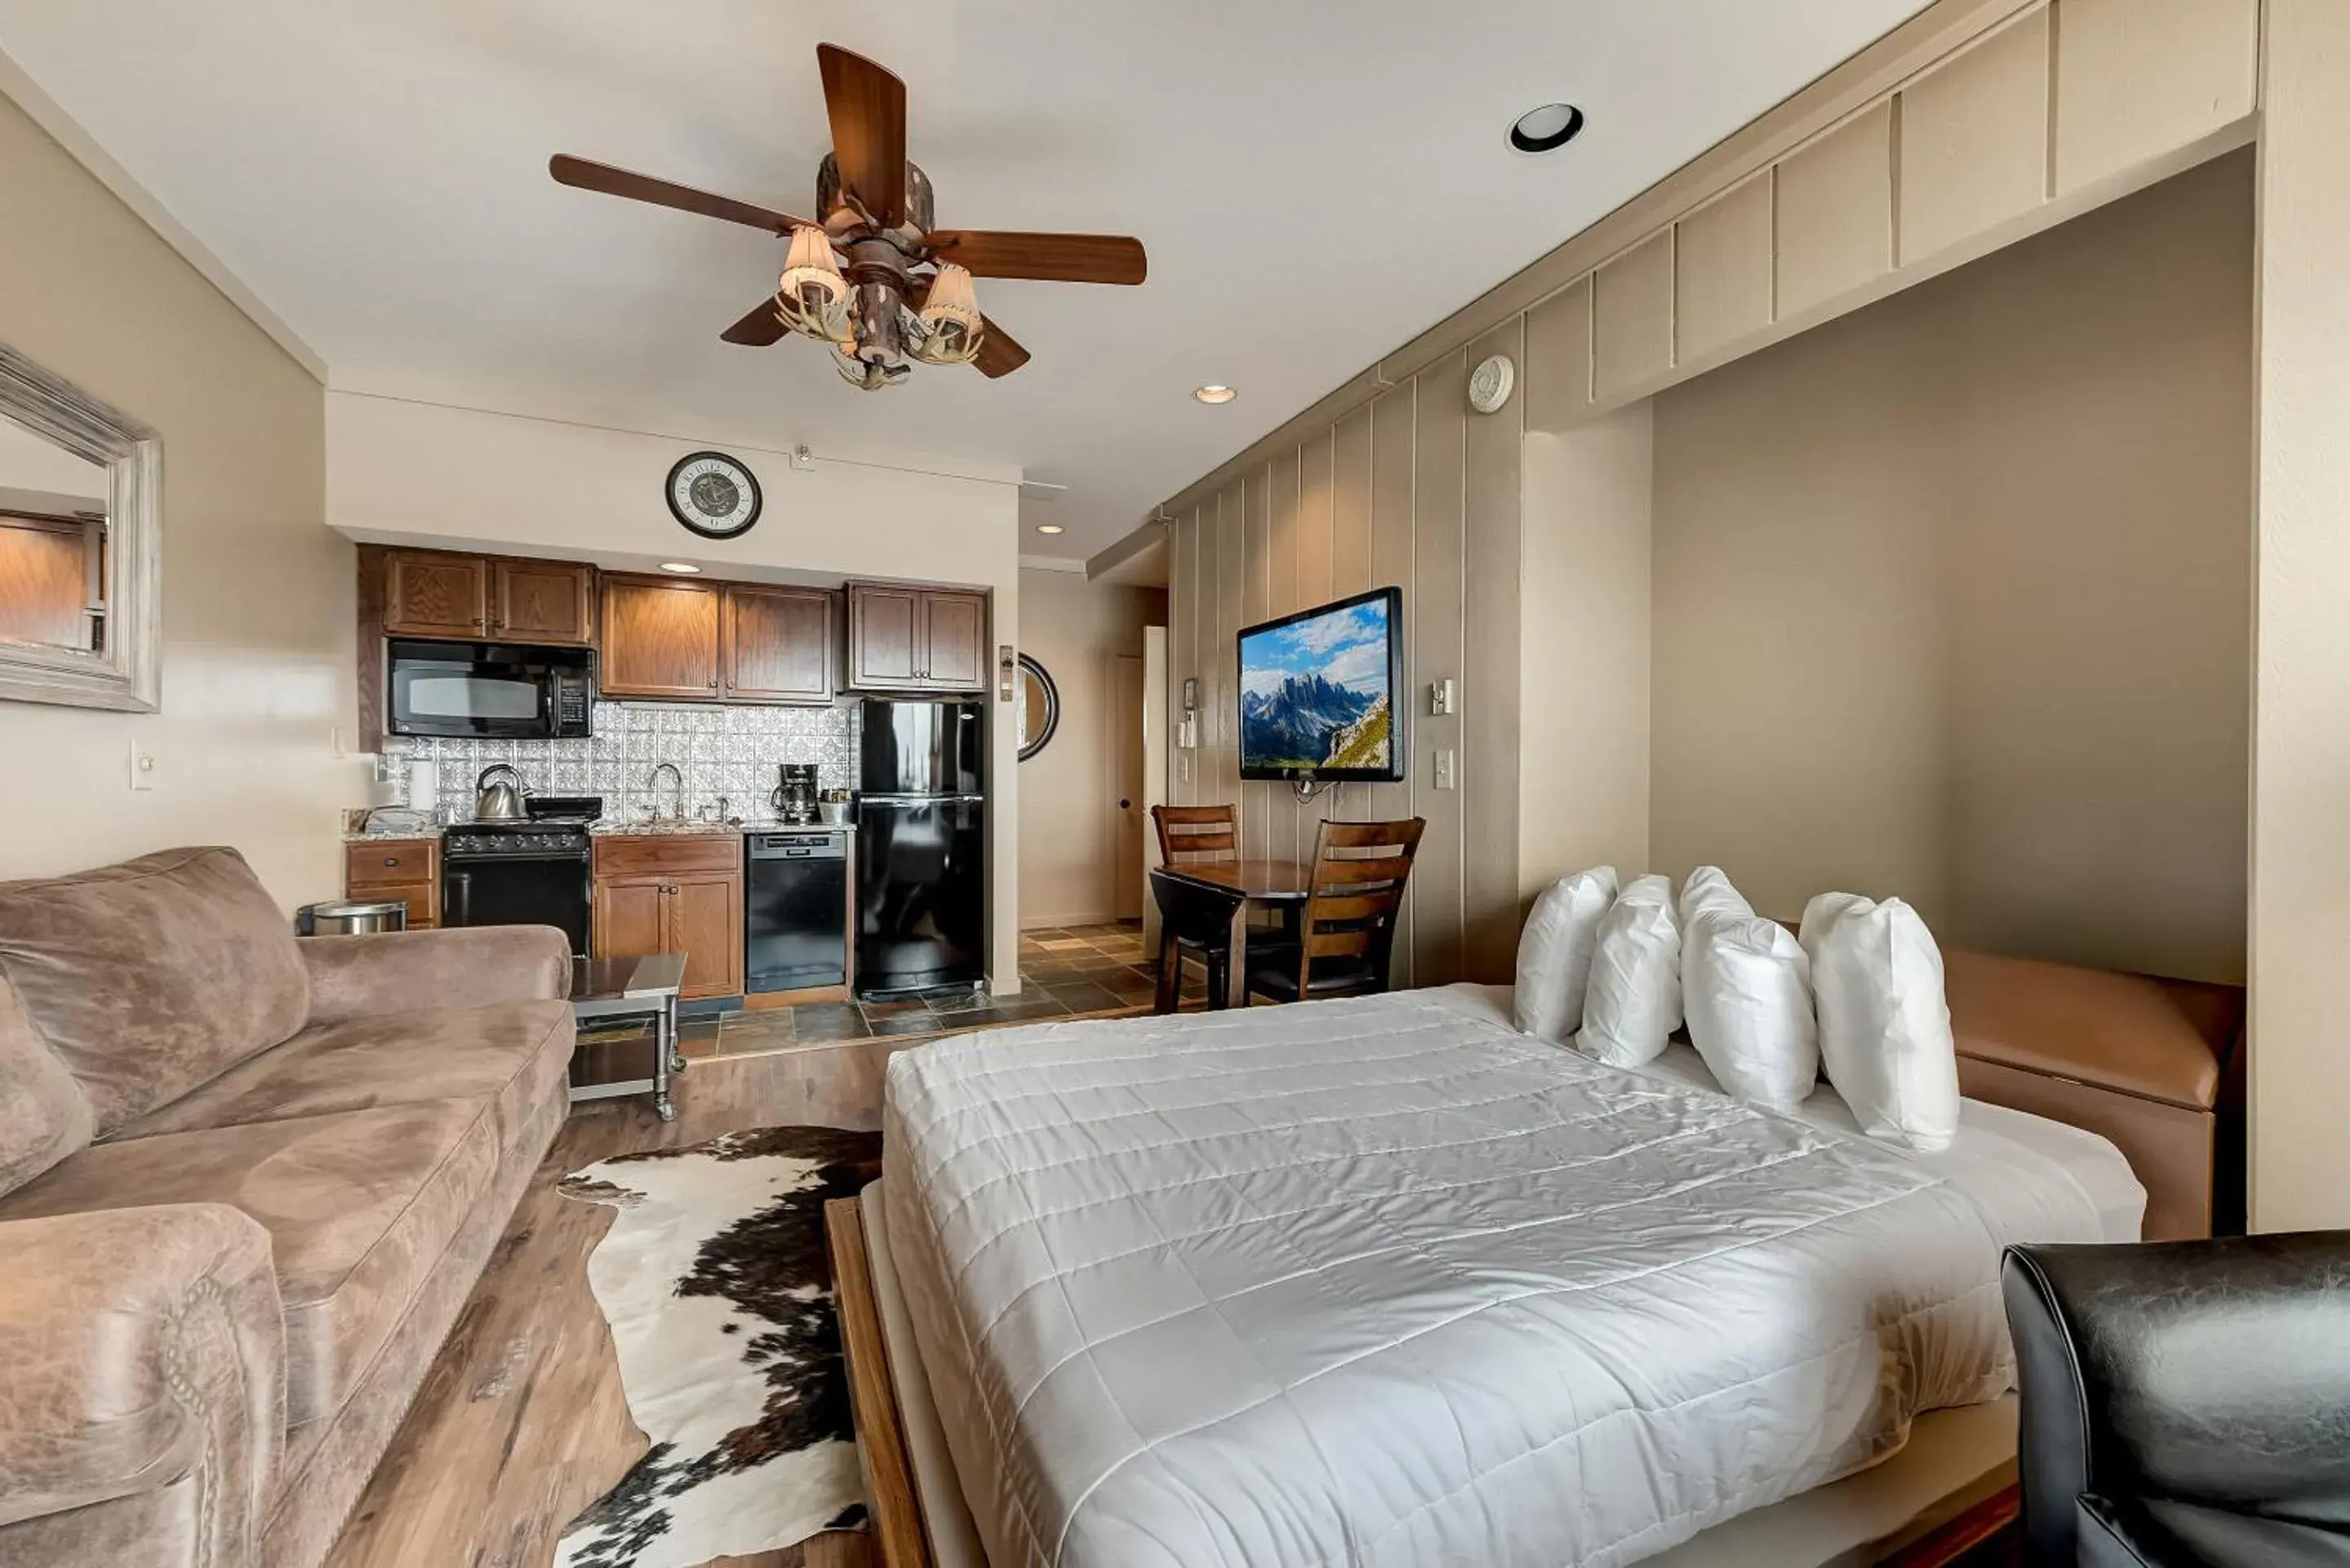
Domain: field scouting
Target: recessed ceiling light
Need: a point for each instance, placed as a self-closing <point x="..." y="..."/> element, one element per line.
<point x="1050" y="528"/>
<point x="1215" y="393"/>
<point x="684" y="568"/>
<point x="1546" y="128"/>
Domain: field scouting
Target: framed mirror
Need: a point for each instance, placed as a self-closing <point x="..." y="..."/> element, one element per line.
<point x="81" y="547"/>
<point x="1038" y="705"/>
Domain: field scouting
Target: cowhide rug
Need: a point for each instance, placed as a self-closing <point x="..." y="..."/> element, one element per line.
<point x="714" y="1278"/>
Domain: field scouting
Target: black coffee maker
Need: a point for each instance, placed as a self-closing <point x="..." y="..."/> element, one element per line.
<point x="794" y="795"/>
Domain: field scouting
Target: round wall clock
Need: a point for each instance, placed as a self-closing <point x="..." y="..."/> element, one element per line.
<point x="1489" y="384"/>
<point x="714" y="495"/>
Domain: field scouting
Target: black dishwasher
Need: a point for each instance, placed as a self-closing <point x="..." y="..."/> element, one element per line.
<point x="795" y="914"/>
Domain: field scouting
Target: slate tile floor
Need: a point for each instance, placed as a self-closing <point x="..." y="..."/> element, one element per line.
<point x="1082" y="972"/>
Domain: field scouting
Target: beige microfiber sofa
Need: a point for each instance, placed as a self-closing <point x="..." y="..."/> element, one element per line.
<point x="246" y="1182"/>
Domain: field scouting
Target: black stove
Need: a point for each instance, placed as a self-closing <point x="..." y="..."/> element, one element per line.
<point x="535" y="872"/>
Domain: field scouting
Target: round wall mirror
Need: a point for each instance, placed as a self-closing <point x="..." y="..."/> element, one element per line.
<point x="1040" y="706"/>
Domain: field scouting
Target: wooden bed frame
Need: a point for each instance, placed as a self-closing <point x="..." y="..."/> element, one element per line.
<point x="1947" y="1496"/>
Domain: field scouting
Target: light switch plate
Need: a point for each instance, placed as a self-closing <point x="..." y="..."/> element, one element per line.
<point x="1442" y="698"/>
<point x="142" y="767"/>
<point x="1445" y="778"/>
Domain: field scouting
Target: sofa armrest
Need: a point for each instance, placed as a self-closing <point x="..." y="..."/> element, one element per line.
<point x="139" y="1346"/>
<point x="414" y="972"/>
<point x="2214" y="1373"/>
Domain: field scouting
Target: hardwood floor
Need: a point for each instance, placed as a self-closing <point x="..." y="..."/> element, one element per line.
<point x="521" y="1423"/>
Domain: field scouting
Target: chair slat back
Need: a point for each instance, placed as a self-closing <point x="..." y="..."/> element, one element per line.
<point x="1199" y="833"/>
<point x="1359" y="874"/>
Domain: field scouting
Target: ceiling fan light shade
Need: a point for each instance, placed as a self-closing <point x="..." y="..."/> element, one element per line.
<point x="951" y="324"/>
<point x="812" y="296"/>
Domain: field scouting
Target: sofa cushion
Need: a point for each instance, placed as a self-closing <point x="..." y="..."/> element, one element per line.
<point x="359" y="1207"/>
<point x="510" y="1056"/>
<point x="43" y="1114"/>
<point x="148" y="978"/>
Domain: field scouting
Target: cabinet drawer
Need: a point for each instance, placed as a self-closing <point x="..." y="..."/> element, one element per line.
<point x="422" y="899"/>
<point x="623" y="855"/>
<point x="388" y="862"/>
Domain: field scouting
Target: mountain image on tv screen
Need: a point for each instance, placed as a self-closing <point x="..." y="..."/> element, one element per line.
<point x="1313" y="692"/>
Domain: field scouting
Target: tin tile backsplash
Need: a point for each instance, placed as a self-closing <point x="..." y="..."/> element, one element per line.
<point x="729" y="752"/>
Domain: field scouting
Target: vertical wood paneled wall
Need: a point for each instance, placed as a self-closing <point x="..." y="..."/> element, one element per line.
<point x="1413" y="490"/>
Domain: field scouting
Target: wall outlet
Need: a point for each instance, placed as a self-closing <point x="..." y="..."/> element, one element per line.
<point x="142" y="767"/>
<point x="1445" y="773"/>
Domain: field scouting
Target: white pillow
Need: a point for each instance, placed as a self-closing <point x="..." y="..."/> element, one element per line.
<point x="1746" y="986"/>
<point x="1885" y="1026"/>
<point x="1707" y="887"/>
<point x="1634" y="1001"/>
<point x="1554" y="954"/>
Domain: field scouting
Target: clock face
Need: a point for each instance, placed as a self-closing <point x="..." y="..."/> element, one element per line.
<point x="714" y="495"/>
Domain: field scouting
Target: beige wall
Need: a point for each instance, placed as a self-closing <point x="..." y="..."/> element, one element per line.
<point x="421" y="474"/>
<point x="1952" y="596"/>
<point x="1069" y="826"/>
<point x="2300" y="753"/>
<point x="257" y="594"/>
<point x="1410" y="489"/>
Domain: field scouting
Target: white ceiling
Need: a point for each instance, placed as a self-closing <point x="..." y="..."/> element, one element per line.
<point x="1315" y="183"/>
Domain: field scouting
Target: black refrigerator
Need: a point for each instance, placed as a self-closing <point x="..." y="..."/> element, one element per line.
<point x="921" y="846"/>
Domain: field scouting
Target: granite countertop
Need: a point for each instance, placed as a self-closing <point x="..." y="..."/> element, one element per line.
<point x="609" y="827"/>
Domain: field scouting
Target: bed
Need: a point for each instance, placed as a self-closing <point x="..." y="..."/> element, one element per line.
<point x="1383" y="1282"/>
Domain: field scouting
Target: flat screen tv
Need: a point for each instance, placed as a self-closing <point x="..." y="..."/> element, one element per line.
<point x="1319" y="692"/>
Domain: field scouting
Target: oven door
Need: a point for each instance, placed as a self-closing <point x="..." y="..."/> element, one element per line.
<point x="468" y="689"/>
<point x="520" y="890"/>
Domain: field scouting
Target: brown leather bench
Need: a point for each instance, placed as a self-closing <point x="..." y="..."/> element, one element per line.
<point x="2149" y="1063"/>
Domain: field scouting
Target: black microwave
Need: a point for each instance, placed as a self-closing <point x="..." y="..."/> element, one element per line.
<point x="492" y="690"/>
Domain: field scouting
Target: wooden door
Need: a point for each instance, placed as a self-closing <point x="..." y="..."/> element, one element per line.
<point x="705" y="914"/>
<point x="427" y="594"/>
<point x="630" y="919"/>
<point x="551" y="602"/>
<point x="1125" y="775"/>
<point x="777" y="645"/>
<point x="885" y="627"/>
<point x="661" y="639"/>
<point x="954" y="641"/>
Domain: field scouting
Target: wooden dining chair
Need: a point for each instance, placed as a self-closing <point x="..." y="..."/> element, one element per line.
<point x="1190" y="835"/>
<point x="1197" y="833"/>
<point x="1346" y="933"/>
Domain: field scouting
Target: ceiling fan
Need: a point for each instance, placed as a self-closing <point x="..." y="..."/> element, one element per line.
<point x="872" y="278"/>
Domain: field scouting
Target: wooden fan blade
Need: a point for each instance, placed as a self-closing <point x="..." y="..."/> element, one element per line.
<point x="999" y="353"/>
<point x="582" y="174"/>
<point x="1056" y="258"/>
<point x="759" y="329"/>
<point x="867" y="106"/>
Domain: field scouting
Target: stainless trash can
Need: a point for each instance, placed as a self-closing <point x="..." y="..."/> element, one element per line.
<point x="351" y="918"/>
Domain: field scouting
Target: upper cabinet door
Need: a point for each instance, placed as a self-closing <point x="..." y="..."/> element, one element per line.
<point x="885" y="627"/>
<point x="954" y="641"/>
<point x="430" y="594"/>
<point x="549" y="602"/>
<point x="661" y="639"/>
<point x="777" y="644"/>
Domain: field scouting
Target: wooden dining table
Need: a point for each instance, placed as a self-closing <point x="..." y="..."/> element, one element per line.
<point x="1208" y="903"/>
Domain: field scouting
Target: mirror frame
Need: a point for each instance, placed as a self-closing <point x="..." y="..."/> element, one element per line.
<point x="128" y="676"/>
<point x="1043" y="678"/>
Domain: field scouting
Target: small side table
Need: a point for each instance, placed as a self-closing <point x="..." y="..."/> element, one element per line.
<point x="643" y="987"/>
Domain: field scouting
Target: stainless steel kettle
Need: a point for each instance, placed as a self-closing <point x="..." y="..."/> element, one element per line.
<point x="502" y="801"/>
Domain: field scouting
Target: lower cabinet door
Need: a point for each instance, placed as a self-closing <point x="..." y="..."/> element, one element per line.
<point x="631" y="918"/>
<point x="706" y="924"/>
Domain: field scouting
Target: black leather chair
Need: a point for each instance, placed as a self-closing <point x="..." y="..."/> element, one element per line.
<point x="2185" y="1402"/>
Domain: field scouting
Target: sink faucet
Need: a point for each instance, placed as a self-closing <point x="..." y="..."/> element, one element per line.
<point x="676" y="790"/>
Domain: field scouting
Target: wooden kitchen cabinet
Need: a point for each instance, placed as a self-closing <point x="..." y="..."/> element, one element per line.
<point x="545" y="603"/>
<point x="777" y="644"/>
<point x="673" y="893"/>
<point x="916" y="640"/>
<point x="432" y="593"/>
<point x="428" y="594"/>
<point x="661" y="639"/>
<point x="408" y="869"/>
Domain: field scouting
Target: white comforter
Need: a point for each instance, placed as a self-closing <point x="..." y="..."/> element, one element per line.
<point x="1385" y="1282"/>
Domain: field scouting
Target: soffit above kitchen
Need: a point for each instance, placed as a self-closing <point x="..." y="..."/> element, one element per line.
<point x="1314" y="185"/>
